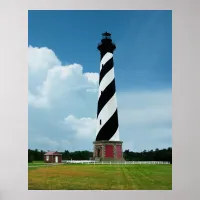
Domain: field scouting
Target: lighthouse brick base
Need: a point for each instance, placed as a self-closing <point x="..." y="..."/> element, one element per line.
<point x="108" y="151"/>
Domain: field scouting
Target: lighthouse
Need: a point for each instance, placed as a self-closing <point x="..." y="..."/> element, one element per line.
<point x="107" y="145"/>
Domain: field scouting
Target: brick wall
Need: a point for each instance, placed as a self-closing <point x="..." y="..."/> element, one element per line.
<point x="109" y="151"/>
<point x="119" y="151"/>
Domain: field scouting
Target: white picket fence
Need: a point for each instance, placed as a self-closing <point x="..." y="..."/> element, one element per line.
<point x="110" y="162"/>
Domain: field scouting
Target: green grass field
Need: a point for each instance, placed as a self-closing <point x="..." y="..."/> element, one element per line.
<point x="34" y="163"/>
<point x="100" y="177"/>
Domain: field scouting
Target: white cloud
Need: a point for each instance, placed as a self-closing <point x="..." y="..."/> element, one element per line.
<point x="37" y="101"/>
<point x="63" y="104"/>
<point x="145" y="107"/>
<point x="59" y="81"/>
<point x="145" y="118"/>
<point x="92" y="77"/>
<point x="83" y="128"/>
<point x="41" y="59"/>
<point x="46" y="141"/>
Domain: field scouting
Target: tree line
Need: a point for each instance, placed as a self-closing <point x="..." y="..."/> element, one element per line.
<point x="152" y="155"/>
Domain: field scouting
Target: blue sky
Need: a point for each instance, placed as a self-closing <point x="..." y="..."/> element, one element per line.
<point x="65" y="42"/>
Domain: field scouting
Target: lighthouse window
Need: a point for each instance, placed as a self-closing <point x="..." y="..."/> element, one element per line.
<point x="100" y="121"/>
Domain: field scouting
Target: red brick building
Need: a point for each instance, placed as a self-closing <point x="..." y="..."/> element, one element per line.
<point x="52" y="157"/>
<point x="108" y="151"/>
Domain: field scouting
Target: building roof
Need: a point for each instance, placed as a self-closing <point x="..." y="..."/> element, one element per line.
<point x="52" y="153"/>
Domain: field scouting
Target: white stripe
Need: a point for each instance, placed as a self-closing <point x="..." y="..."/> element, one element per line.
<point x="106" y="112"/>
<point x="106" y="80"/>
<point x="111" y="106"/>
<point x="115" y="137"/>
<point x="105" y="59"/>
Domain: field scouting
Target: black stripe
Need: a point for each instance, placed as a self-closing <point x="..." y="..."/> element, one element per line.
<point x="103" y="54"/>
<point x="105" y="69"/>
<point x="109" y="128"/>
<point x="105" y="96"/>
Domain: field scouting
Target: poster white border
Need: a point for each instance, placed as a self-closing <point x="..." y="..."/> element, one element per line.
<point x="14" y="98"/>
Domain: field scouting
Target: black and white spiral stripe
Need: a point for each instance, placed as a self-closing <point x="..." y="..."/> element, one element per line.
<point x="107" y="114"/>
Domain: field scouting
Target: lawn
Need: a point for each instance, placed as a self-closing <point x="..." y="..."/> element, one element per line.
<point x="35" y="163"/>
<point x="100" y="177"/>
